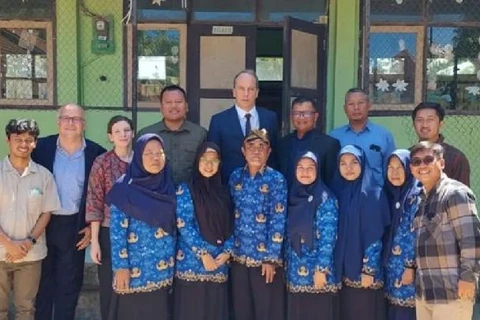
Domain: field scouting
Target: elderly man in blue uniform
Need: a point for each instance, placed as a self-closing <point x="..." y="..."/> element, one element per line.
<point x="260" y="200"/>
<point x="374" y="139"/>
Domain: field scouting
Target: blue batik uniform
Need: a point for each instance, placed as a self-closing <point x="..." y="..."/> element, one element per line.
<point x="372" y="266"/>
<point x="260" y="213"/>
<point x="148" y="252"/>
<point x="402" y="256"/>
<point x="191" y="245"/>
<point x="301" y="268"/>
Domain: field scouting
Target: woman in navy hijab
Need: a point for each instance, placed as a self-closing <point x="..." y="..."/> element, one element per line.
<point x="403" y="192"/>
<point x="142" y="232"/>
<point x="312" y="234"/>
<point x="363" y="217"/>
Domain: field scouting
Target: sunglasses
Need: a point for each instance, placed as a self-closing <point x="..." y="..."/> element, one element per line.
<point x="427" y="160"/>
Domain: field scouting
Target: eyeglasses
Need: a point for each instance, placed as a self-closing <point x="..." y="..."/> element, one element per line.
<point x="76" y="120"/>
<point x="427" y="160"/>
<point x="213" y="162"/>
<point x="303" y="114"/>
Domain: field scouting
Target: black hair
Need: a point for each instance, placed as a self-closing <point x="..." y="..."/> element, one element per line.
<point x="116" y="119"/>
<point x="429" y="105"/>
<point x="436" y="149"/>
<point x="173" y="87"/>
<point x="21" y="126"/>
<point x="302" y="99"/>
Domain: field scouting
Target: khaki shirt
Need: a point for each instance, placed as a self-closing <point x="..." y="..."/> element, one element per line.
<point x="180" y="146"/>
<point x="22" y="199"/>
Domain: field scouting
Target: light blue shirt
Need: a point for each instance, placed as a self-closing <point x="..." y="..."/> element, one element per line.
<point x="254" y="119"/>
<point x="69" y="174"/>
<point x="374" y="139"/>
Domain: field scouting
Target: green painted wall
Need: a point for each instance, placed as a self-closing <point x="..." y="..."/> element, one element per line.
<point x="79" y="71"/>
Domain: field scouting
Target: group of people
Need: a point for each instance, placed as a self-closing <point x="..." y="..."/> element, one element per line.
<point x="237" y="222"/>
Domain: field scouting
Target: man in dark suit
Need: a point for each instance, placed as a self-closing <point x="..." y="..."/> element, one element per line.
<point x="229" y="128"/>
<point x="304" y="116"/>
<point x="69" y="156"/>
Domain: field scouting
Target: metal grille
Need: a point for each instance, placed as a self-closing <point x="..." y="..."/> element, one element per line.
<point x="453" y="67"/>
<point x="460" y="132"/>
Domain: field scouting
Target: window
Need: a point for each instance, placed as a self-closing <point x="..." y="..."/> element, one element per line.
<point x="225" y="10"/>
<point x="150" y="10"/>
<point x="26" y="63"/>
<point x="276" y="10"/>
<point x="269" y="68"/>
<point x="453" y="68"/>
<point x="161" y="57"/>
<point x="405" y="65"/>
<point x="395" y="67"/>
<point x="31" y="9"/>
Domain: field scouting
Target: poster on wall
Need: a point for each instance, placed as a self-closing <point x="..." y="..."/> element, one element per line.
<point x="152" y="68"/>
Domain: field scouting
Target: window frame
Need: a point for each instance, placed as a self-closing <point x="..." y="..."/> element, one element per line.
<point x="132" y="54"/>
<point x="419" y="66"/>
<point x="424" y="23"/>
<point x="48" y="26"/>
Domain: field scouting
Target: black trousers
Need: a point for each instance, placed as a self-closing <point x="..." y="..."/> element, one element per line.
<point x="105" y="274"/>
<point x="253" y="299"/>
<point x="62" y="271"/>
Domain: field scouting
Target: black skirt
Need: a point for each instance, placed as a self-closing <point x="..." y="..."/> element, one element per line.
<point x="311" y="306"/>
<point x="200" y="300"/>
<point x="143" y="305"/>
<point x="362" y="304"/>
<point x="401" y="313"/>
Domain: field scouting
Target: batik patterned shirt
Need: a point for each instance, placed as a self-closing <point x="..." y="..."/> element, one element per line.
<point x="401" y="257"/>
<point x="148" y="252"/>
<point x="301" y="269"/>
<point x="106" y="170"/>
<point x="191" y="245"/>
<point x="260" y="214"/>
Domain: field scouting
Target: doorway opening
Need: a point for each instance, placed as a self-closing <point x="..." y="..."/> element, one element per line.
<point x="269" y="68"/>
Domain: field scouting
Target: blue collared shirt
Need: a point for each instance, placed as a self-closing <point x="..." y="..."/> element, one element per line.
<point x="254" y="119"/>
<point x="69" y="174"/>
<point x="374" y="139"/>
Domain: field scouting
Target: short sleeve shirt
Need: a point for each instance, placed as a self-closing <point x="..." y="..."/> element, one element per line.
<point x="23" y="198"/>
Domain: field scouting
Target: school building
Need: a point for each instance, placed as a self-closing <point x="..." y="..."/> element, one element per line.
<point x="114" y="57"/>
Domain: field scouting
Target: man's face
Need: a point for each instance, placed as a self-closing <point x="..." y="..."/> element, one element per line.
<point x="245" y="91"/>
<point x="356" y="107"/>
<point x="71" y="122"/>
<point x="21" y="145"/>
<point x="427" y="125"/>
<point x="426" y="168"/>
<point x="173" y="105"/>
<point x="256" y="153"/>
<point x="304" y="116"/>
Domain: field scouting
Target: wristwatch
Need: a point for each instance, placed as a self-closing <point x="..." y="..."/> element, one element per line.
<point x="32" y="239"/>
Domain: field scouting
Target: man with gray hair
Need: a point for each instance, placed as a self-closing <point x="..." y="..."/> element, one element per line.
<point x="69" y="156"/>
